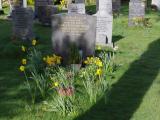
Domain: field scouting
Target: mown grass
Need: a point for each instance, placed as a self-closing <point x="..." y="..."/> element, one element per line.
<point x="135" y="90"/>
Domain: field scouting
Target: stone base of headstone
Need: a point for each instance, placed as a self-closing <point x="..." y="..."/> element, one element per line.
<point x="1" y="12"/>
<point x="77" y="29"/>
<point x="22" y="20"/>
<point x="136" y="10"/>
<point x="45" y="12"/>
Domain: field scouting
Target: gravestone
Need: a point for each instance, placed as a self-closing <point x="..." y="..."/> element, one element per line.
<point x="76" y="8"/>
<point x="156" y="3"/>
<point x="23" y="23"/>
<point x="79" y="1"/>
<point x="116" y="5"/>
<point x="45" y="13"/>
<point x="75" y="29"/>
<point x="39" y="3"/>
<point x="136" y="10"/>
<point x="104" y="23"/>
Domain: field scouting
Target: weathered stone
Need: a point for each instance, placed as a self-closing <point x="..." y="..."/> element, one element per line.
<point x="79" y="1"/>
<point x="41" y="3"/>
<point x="104" y="23"/>
<point x="76" y="8"/>
<point x="23" y="23"/>
<point x="116" y="5"/>
<point x="75" y="29"/>
<point x="156" y="3"/>
<point x="136" y="10"/>
<point x="45" y="13"/>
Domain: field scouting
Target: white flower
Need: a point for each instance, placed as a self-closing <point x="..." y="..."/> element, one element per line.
<point x="115" y="48"/>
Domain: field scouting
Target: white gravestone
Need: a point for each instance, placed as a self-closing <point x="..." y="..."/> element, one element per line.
<point x="104" y="23"/>
<point x="76" y="8"/>
<point x="156" y="3"/>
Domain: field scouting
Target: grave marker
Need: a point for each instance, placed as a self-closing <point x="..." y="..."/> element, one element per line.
<point x="75" y="29"/>
<point x="23" y="23"/>
<point x="45" y="13"/>
<point x="104" y="22"/>
<point x="116" y="5"/>
<point x="136" y="10"/>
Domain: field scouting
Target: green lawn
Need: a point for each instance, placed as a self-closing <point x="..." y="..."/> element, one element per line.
<point x="135" y="92"/>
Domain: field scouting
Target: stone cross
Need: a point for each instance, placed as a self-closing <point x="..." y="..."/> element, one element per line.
<point x="104" y="22"/>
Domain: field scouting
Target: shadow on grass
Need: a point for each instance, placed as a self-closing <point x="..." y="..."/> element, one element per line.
<point x="12" y="97"/>
<point x="126" y="95"/>
<point x="116" y="38"/>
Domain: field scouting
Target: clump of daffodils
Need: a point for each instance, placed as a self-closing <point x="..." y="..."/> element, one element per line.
<point x="62" y="4"/>
<point x="96" y="62"/>
<point x="93" y="60"/>
<point x="52" y="60"/>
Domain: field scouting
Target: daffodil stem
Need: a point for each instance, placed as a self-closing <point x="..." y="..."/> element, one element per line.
<point x="29" y="87"/>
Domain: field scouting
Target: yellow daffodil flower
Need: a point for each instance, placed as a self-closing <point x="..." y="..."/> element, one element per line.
<point x="34" y="42"/>
<point x="99" y="48"/>
<point x="44" y="58"/>
<point x="23" y="48"/>
<point x="56" y="84"/>
<point x="99" y="72"/>
<point x="24" y="61"/>
<point x="22" y="68"/>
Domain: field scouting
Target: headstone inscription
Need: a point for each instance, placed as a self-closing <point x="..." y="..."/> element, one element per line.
<point x="76" y="8"/>
<point x="136" y="10"/>
<point x="116" y="5"/>
<point x="23" y="23"/>
<point x="75" y="29"/>
<point x="156" y="3"/>
<point x="104" y="23"/>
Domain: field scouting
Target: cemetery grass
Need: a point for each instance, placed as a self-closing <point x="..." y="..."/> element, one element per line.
<point x="135" y="90"/>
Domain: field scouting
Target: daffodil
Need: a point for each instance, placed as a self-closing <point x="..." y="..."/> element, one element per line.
<point x="99" y="63"/>
<point x="23" y="48"/>
<point x="34" y="42"/>
<point x="99" y="72"/>
<point x="24" y="61"/>
<point x="99" y="48"/>
<point x="56" y="84"/>
<point x="44" y="58"/>
<point x="86" y="62"/>
<point x="22" y="68"/>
